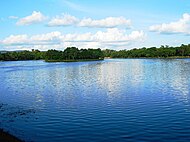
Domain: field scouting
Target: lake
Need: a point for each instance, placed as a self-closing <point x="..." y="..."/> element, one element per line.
<point x="111" y="100"/>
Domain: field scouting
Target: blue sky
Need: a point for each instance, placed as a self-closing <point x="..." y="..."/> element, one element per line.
<point x="117" y="24"/>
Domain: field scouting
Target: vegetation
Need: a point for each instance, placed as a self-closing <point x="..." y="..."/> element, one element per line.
<point x="71" y="54"/>
<point x="153" y="52"/>
<point x="22" y="55"/>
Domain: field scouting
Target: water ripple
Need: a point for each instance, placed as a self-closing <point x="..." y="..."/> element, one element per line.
<point x="112" y="100"/>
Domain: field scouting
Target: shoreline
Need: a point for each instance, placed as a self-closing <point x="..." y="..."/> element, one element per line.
<point x="6" y="137"/>
<point x="81" y="60"/>
<point x="171" y="57"/>
<point x="86" y="60"/>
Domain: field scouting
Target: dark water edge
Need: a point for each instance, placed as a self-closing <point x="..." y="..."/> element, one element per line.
<point x="6" y="137"/>
<point x="13" y="112"/>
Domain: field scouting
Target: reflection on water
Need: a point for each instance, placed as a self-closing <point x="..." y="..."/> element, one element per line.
<point x="115" y="99"/>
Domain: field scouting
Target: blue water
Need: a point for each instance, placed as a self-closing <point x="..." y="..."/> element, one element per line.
<point x="112" y="100"/>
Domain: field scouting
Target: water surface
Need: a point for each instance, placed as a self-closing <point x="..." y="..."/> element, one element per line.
<point x="111" y="100"/>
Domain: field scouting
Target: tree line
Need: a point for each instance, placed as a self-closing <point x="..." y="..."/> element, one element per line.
<point x="69" y="54"/>
<point x="21" y="55"/>
<point x="73" y="54"/>
<point x="153" y="52"/>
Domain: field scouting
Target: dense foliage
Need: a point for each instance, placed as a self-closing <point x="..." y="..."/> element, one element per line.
<point x="70" y="53"/>
<point x="153" y="52"/>
<point x="22" y="55"/>
<point x="73" y="54"/>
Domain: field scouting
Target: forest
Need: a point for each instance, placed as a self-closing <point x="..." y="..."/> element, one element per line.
<point x="153" y="52"/>
<point x="69" y="54"/>
<point x="75" y="54"/>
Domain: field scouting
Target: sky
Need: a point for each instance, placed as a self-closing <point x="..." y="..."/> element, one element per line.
<point x="105" y="24"/>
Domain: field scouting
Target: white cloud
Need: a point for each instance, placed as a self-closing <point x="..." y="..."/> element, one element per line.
<point x="109" y="22"/>
<point x="36" y="17"/>
<point x="52" y="36"/>
<point x="43" y="39"/>
<point x="15" y="40"/>
<point x="110" y="38"/>
<point x="116" y="35"/>
<point x="64" y="20"/>
<point x="180" y="26"/>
